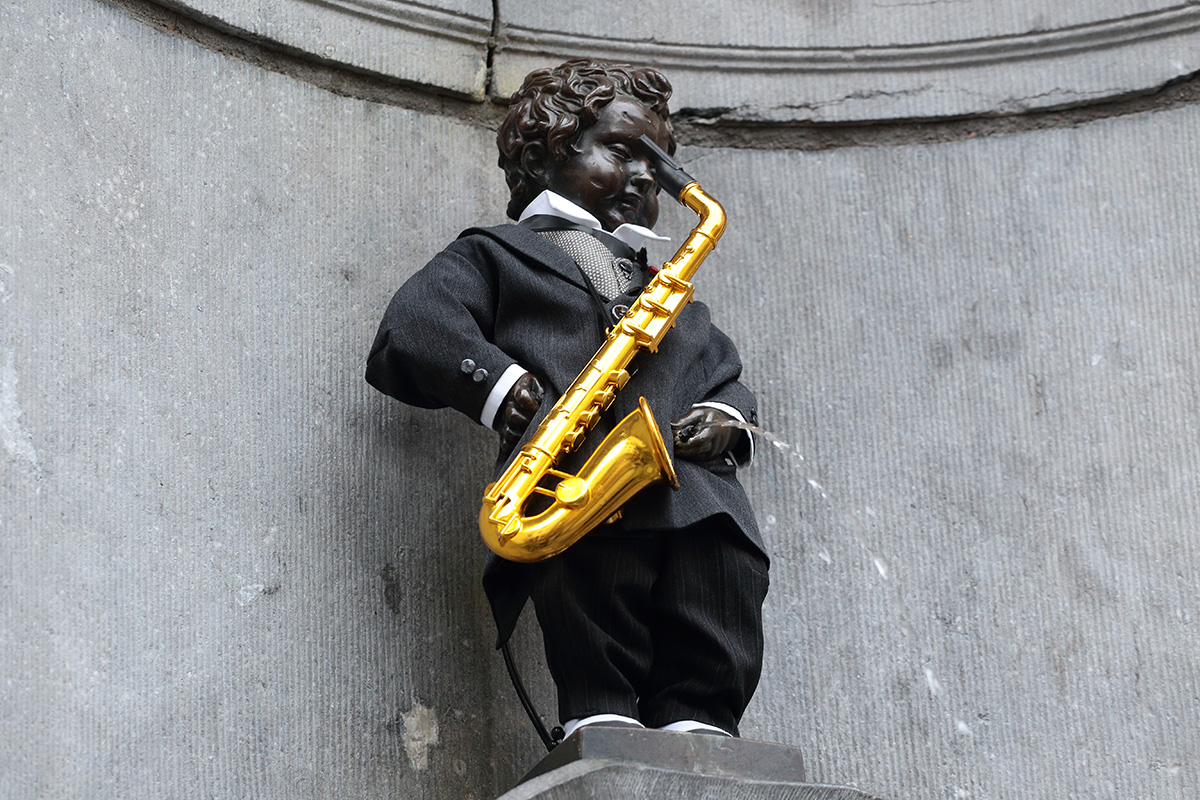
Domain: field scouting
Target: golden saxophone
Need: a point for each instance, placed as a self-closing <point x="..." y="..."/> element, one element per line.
<point x="633" y="456"/>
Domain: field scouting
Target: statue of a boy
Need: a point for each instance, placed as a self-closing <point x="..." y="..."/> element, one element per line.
<point x="654" y="620"/>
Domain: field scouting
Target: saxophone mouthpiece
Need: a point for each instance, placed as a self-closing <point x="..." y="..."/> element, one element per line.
<point x="667" y="172"/>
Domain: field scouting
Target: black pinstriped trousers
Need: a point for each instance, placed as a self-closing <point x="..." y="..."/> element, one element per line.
<point x="657" y="626"/>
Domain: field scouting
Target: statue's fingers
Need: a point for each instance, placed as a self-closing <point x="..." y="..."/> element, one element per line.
<point x="691" y="419"/>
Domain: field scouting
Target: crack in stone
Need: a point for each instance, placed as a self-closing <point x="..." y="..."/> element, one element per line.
<point x="812" y="136"/>
<point x="489" y="85"/>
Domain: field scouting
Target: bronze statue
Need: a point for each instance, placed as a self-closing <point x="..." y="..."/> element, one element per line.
<point x="654" y="617"/>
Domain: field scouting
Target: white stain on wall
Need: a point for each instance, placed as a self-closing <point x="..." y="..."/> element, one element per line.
<point x="6" y="274"/>
<point x="17" y="441"/>
<point x="420" y="733"/>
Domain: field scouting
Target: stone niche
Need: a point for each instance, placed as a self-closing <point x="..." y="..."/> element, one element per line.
<point x="772" y="61"/>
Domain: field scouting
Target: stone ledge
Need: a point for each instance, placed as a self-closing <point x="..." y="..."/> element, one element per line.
<point x="607" y="762"/>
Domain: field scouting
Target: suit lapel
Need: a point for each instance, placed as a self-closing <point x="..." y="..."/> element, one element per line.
<point x="536" y="251"/>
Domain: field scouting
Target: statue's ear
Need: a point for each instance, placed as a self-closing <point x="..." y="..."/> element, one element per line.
<point x="535" y="161"/>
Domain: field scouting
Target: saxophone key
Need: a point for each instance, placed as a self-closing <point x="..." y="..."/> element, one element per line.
<point x="572" y="492"/>
<point x="511" y="528"/>
<point x="672" y="281"/>
<point x="643" y="337"/>
<point x="656" y="306"/>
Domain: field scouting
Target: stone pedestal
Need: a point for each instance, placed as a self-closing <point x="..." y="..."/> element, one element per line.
<point x="602" y="762"/>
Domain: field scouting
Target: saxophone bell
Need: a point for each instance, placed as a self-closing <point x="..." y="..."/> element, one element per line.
<point x="631" y="458"/>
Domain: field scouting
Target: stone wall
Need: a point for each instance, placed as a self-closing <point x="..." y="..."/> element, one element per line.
<point x="232" y="570"/>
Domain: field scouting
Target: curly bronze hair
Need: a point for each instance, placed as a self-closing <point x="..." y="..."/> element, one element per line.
<point x="555" y="105"/>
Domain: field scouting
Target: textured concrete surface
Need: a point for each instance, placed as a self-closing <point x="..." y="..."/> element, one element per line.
<point x="216" y="580"/>
<point x="230" y="570"/>
<point x="985" y="354"/>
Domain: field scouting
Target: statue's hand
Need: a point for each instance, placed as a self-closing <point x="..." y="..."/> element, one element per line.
<point x="699" y="437"/>
<point x="520" y="404"/>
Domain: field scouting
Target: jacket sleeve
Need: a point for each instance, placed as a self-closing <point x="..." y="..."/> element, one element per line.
<point x="434" y="346"/>
<point x="724" y="389"/>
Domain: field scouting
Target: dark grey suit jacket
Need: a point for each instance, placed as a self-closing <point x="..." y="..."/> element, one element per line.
<point x="505" y="295"/>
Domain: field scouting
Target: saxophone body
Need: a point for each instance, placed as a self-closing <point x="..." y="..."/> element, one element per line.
<point x="633" y="456"/>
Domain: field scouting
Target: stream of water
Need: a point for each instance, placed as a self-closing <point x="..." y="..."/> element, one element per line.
<point x="853" y="522"/>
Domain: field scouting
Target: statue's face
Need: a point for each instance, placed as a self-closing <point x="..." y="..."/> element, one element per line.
<point x="608" y="173"/>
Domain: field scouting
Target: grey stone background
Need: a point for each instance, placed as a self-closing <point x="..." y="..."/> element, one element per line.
<point x="231" y="570"/>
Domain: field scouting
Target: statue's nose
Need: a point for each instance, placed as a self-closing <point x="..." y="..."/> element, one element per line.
<point x="640" y="174"/>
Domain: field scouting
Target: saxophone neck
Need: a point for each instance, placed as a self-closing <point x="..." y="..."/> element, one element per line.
<point x="703" y="238"/>
<point x="712" y="215"/>
<point x="684" y="188"/>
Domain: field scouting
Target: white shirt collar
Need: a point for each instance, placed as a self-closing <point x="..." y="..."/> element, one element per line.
<point x="552" y="204"/>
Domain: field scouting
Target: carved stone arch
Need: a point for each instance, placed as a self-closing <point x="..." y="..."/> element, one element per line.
<point x="767" y="61"/>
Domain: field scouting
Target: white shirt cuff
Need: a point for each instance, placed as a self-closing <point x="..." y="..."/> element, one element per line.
<point x="733" y="412"/>
<point x="490" y="406"/>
